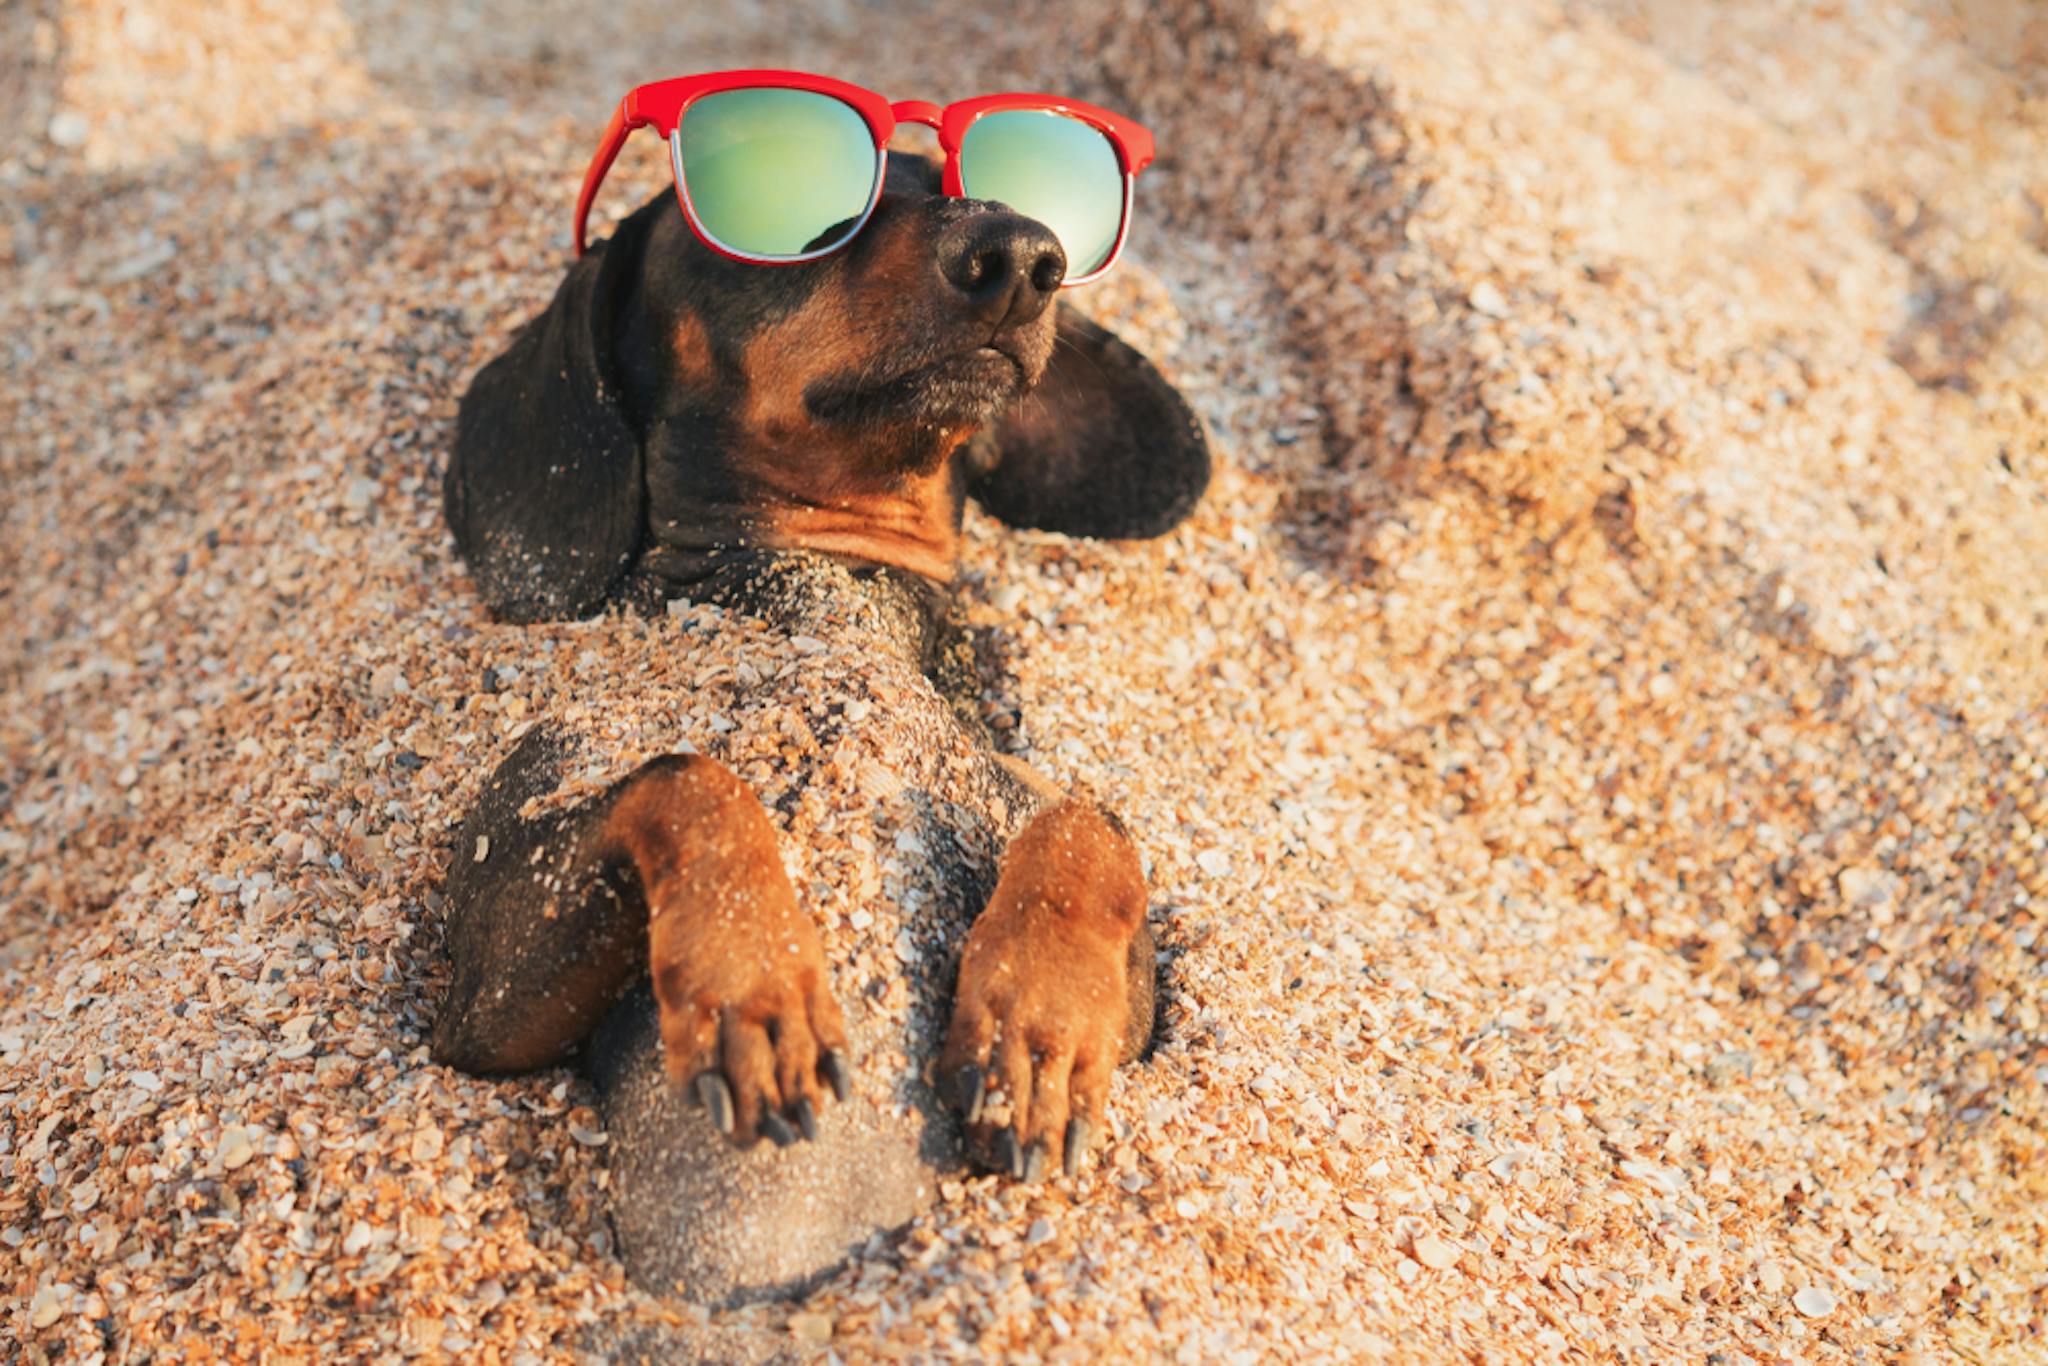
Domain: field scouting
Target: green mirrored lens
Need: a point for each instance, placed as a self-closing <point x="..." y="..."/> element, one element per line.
<point x="1058" y="170"/>
<point x="777" y="172"/>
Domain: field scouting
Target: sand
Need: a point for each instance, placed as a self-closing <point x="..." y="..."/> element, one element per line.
<point x="1589" y="747"/>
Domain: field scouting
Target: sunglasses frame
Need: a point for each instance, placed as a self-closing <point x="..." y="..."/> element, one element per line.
<point x="662" y="104"/>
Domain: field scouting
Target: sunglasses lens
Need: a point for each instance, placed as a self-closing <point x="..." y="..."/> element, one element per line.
<point x="1058" y="170"/>
<point x="777" y="173"/>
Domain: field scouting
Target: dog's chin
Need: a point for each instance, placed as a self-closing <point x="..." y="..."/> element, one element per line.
<point x="960" y="390"/>
<point x="968" y="389"/>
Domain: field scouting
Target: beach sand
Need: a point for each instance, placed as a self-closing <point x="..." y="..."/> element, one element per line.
<point x="1588" y="748"/>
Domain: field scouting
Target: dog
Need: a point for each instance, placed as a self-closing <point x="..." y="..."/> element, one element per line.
<point x="792" y="442"/>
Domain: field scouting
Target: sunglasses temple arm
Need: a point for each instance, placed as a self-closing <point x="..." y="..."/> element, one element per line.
<point x="615" y="132"/>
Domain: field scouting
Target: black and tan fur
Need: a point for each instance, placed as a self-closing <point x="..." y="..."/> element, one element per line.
<point x="679" y="425"/>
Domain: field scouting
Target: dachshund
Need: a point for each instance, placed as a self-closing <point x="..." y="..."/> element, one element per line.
<point x="677" y="425"/>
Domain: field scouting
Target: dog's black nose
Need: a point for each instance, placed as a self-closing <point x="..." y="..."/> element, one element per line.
<point x="1008" y="266"/>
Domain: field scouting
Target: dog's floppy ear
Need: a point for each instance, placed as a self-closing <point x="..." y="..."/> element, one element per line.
<point x="1103" y="446"/>
<point x="545" y="489"/>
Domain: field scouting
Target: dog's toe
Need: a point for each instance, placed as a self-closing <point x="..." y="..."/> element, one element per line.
<point x="970" y="1089"/>
<point x="716" y="1097"/>
<point x="832" y="1067"/>
<point x="1080" y="1135"/>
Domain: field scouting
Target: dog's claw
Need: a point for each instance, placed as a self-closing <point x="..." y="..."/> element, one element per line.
<point x="1080" y="1133"/>
<point x="1034" y="1162"/>
<point x="970" y="1090"/>
<point x="1009" y="1157"/>
<point x="716" y="1098"/>
<point x="807" y="1119"/>
<point x="833" y="1068"/>
<point x="776" y="1129"/>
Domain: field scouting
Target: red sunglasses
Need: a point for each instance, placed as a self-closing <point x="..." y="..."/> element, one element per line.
<point x="776" y="167"/>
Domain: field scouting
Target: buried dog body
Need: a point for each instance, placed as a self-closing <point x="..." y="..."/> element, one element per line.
<point x="793" y="444"/>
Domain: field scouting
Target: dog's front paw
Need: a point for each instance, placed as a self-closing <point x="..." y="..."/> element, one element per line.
<point x="748" y="1021"/>
<point x="1042" y="1013"/>
<point x="1037" y="1029"/>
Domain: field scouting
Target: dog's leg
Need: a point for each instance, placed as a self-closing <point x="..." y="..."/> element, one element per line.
<point x="747" y="1014"/>
<point x="1055" y="990"/>
<point x="546" y="925"/>
<point x="675" y="869"/>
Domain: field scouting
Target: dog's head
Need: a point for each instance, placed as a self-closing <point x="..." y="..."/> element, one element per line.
<point x="672" y="405"/>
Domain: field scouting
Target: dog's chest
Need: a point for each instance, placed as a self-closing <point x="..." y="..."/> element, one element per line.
<point x="846" y="701"/>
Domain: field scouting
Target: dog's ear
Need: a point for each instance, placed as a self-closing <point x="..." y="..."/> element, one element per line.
<point x="1103" y="446"/>
<point x="545" y="490"/>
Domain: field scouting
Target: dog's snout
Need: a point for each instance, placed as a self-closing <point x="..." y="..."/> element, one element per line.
<point x="1007" y="266"/>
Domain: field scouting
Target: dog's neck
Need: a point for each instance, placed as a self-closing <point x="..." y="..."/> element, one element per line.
<point x="703" y="511"/>
<point x="699" y="537"/>
<point x="914" y="526"/>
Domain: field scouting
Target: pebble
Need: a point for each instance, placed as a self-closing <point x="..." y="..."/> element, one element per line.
<point x="1871" y="890"/>
<point x="1730" y="1067"/>
<point x="1436" y="1253"/>
<point x="809" y="1327"/>
<point x="585" y="1127"/>
<point x="46" y="1307"/>
<point x="1487" y="298"/>
<point x="1814" y="1302"/>
<point x="237" y="1148"/>
<point x="145" y="262"/>
<point x="69" y="129"/>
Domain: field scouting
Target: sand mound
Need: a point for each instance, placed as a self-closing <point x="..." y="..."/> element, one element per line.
<point x="1589" y="747"/>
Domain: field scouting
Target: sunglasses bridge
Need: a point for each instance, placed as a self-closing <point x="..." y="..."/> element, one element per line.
<point x="918" y="111"/>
